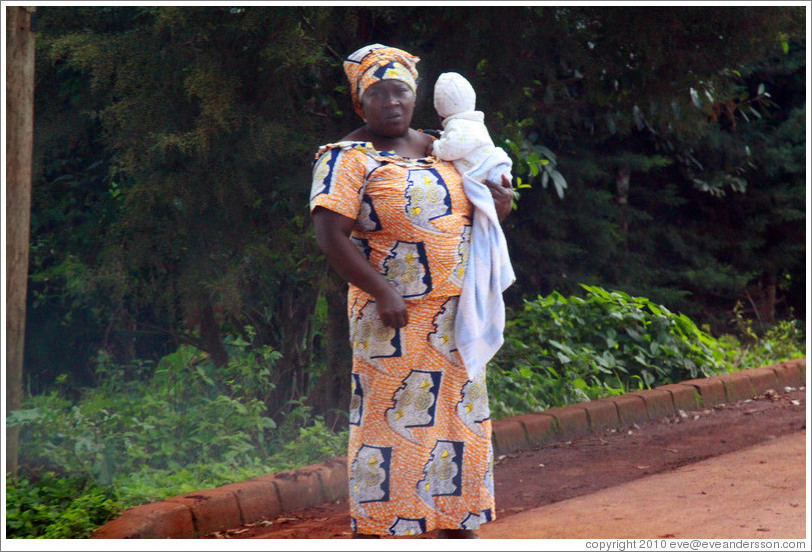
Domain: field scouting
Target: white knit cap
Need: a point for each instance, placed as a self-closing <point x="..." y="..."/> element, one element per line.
<point x="453" y="94"/>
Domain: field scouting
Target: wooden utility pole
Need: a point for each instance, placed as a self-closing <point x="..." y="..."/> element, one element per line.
<point x="19" y="150"/>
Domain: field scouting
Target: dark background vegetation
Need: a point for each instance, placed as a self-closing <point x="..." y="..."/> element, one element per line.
<point x="174" y="147"/>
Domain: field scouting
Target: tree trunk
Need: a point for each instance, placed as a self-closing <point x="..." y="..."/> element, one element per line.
<point x="331" y="395"/>
<point x="770" y="297"/>
<point x="622" y="180"/>
<point x="339" y="355"/>
<point x="19" y="150"/>
<point x="210" y="334"/>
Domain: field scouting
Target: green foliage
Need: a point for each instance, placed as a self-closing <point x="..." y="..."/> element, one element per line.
<point x="66" y="505"/>
<point x="560" y="350"/>
<point x="198" y="153"/>
<point x="184" y="411"/>
<point x="535" y="162"/>
<point x="56" y="507"/>
<point x="751" y="347"/>
<point x="136" y="439"/>
<point x="514" y="390"/>
<point x="314" y="443"/>
<point x="672" y="191"/>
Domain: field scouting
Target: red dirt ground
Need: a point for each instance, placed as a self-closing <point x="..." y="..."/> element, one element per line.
<point x="567" y="469"/>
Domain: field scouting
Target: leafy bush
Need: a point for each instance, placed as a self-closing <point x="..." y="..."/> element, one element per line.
<point x="147" y="433"/>
<point x="757" y="345"/>
<point x="185" y="411"/>
<point x="313" y="444"/>
<point x="786" y="340"/>
<point x="56" y="507"/>
<point x="560" y="350"/>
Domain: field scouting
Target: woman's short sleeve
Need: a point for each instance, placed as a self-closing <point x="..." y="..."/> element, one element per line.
<point x="338" y="178"/>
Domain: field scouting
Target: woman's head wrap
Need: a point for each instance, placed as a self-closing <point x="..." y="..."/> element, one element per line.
<point x="376" y="62"/>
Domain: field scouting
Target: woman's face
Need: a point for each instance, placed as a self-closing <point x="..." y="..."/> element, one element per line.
<point x="388" y="107"/>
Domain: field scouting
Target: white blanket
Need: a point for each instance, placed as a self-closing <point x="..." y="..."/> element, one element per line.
<point x="480" y="320"/>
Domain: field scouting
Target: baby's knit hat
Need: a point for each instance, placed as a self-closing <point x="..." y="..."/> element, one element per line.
<point x="453" y="94"/>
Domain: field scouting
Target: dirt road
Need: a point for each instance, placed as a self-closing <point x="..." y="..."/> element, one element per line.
<point x="748" y="458"/>
<point x="755" y="493"/>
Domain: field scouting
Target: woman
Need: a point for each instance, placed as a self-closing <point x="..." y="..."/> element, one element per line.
<point x="395" y="223"/>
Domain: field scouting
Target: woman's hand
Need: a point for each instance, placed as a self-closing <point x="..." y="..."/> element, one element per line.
<point x="502" y="196"/>
<point x="332" y="235"/>
<point x="392" y="308"/>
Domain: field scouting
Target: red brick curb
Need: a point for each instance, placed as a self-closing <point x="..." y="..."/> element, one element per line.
<point x="631" y="409"/>
<point x="196" y="514"/>
<point x="658" y="402"/>
<point x="602" y="414"/>
<point x="570" y="420"/>
<point x="257" y="499"/>
<point x="508" y="435"/>
<point x="711" y="391"/>
<point x="157" y="520"/>
<point x="540" y="428"/>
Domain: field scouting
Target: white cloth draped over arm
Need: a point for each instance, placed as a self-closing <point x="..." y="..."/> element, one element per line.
<point x="480" y="323"/>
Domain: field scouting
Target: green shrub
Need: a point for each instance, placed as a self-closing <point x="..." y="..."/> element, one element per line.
<point x="184" y="411"/>
<point x="784" y="341"/>
<point x="753" y="347"/>
<point x="149" y="432"/>
<point x="560" y="350"/>
<point x="56" y="507"/>
<point x="314" y="443"/>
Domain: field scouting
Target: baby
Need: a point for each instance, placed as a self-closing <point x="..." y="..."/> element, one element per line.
<point x="465" y="139"/>
<point x="480" y="320"/>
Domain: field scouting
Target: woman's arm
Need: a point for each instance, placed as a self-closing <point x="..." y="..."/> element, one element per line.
<point x="502" y="196"/>
<point x="332" y="235"/>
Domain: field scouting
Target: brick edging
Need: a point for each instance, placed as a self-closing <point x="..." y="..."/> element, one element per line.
<point x="196" y="514"/>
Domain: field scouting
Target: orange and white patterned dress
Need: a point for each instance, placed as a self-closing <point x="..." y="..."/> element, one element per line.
<point x="420" y="455"/>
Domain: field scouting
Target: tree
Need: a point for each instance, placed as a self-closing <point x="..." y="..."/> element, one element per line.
<point x="762" y="138"/>
<point x="19" y="146"/>
<point x="203" y="156"/>
<point x="616" y="99"/>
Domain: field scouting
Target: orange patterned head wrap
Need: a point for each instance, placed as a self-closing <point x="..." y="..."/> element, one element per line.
<point x="376" y="62"/>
